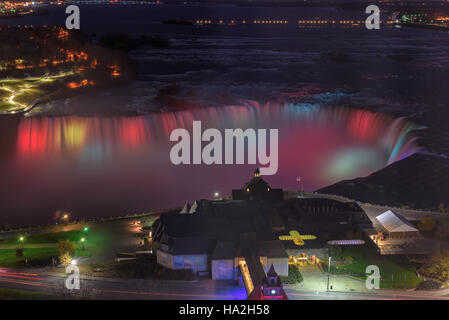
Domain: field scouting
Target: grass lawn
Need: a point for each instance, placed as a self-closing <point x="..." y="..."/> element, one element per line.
<point x="26" y="97"/>
<point x="4" y="94"/>
<point x="54" y="237"/>
<point x="396" y="272"/>
<point x="17" y="83"/>
<point x="42" y="256"/>
<point x="7" y="106"/>
<point x="36" y="257"/>
<point x="15" y="294"/>
<point x="24" y="91"/>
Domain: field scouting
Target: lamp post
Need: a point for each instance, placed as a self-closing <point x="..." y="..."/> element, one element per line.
<point x="82" y="242"/>
<point x="216" y="195"/>
<point x="21" y="239"/>
<point x="64" y="220"/>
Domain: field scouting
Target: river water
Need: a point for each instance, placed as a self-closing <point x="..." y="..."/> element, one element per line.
<point x="107" y="153"/>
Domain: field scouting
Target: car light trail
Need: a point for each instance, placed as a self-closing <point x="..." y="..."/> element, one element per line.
<point x="18" y="276"/>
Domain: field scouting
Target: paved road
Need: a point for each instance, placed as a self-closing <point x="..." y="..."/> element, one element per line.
<point x="123" y="289"/>
<point x="374" y="210"/>
<point x="316" y="280"/>
<point x="178" y="290"/>
<point x="384" y="295"/>
<point x="29" y="245"/>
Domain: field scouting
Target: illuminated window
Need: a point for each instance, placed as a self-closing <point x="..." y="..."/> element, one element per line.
<point x="247" y="190"/>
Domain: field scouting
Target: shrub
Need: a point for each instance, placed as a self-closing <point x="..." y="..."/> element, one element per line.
<point x="294" y="275"/>
<point x="148" y="268"/>
<point x="429" y="285"/>
<point x="426" y="224"/>
<point x="344" y="271"/>
<point x="65" y="258"/>
<point x="66" y="246"/>
<point x="437" y="267"/>
<point x="349" y="260"/>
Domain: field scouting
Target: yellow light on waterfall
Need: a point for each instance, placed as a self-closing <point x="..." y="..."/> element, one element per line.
<point x="74" y="133"/>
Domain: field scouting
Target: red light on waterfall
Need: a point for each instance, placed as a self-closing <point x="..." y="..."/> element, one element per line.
<point x="32" y="140"/>
<point x="133" y="132"/>
<point x="362" y="125"/>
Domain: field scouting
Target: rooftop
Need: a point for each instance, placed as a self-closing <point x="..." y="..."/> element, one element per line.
<point x="394" y="222"/>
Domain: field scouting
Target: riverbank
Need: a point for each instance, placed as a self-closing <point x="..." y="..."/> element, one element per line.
<point x="416" y="182"/>
<point x="68" y="64"/>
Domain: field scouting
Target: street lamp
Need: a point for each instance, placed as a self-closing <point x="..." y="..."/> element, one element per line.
<point x="86" y="228"/>
<point x="65" y="219"/>
<point x="216" y="195"/>
<point x="82" y="242"/>
<point x="21" y="239"/>
<point x="329" y="272"/>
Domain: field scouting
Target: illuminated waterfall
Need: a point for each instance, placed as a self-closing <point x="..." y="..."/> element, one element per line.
<point x="329" y="144"/>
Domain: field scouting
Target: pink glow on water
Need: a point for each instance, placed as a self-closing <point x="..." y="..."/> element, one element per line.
<point x="117" y="165"/>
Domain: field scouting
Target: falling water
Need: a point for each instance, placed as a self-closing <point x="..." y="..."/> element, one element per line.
<point x="99" y="166"/>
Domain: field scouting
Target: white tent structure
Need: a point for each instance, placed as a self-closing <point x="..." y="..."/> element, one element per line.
<point x="186" y="208"/>
<point x="394" y="223"/>
<point x="193" y="207"/>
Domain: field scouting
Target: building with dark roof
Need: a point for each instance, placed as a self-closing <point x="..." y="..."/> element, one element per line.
<point x="260" y="230"/>
<point x="257" y="189"/>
